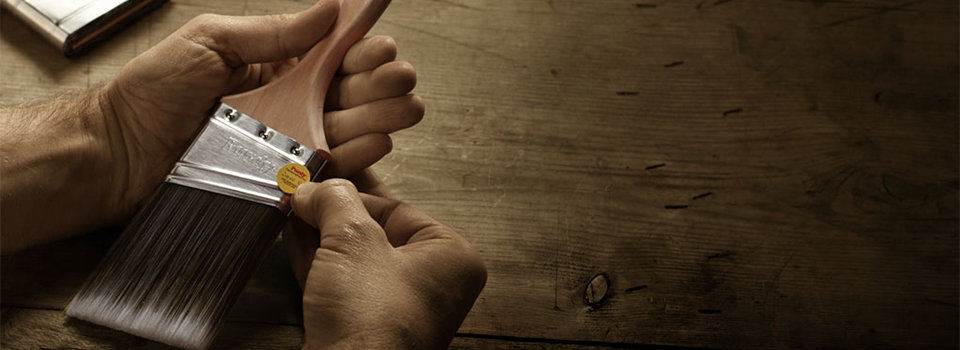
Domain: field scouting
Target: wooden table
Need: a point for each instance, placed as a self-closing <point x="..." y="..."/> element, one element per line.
<point x="729" y="173"/>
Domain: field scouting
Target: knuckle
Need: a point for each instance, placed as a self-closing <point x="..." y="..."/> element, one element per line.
<point x="335" y="185"/>
<point x="384" y="143"/>
<point x="203" y="18"/>
<point x="416" y="109"/>
<point x="386" y="45"/>
<point x="205" y="30"/>
<point x="377" y="142"/>
<point x="408" y="75"/>
<point x="477" y="265"/>
<point x="399" y="73"/>
<point x="396" y="205"/>
<point x="304" y="190"/>
<point x="332" y="126"/>
<point x="204" y="23"/>
<point x="352" y="232"/>
<point x="357" y="227"/>
<point x="334" y="245"/>
<point x="323" y="254"/>
<point x="280" y="20"/>
<point x="466" y="259"/>
<point x="384" y="40"/>
<point x="406" y="70"/>
<point x="390" y="206"/>
<point x="473" y="265"/>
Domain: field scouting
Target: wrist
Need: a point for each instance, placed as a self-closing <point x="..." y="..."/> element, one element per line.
<point x="409" y="329"/>
<point x="56" y="171"/>
<point x="382" y="338"/>
<point x="113" y="149"/>
<point x="94" y="162"/>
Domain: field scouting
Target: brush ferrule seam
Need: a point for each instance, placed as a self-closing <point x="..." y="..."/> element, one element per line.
<point x="239" y="175"/>
<point x="237" y="156"/>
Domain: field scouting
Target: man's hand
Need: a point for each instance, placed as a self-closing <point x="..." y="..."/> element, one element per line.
<point x="82" y="162"/>
<point x="382" y="275"/>
<point x="160" y="99"/>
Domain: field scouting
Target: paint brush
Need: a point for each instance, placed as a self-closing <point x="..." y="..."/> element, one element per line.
<point x="77" y="25"/>
<point x="181" y="263"/>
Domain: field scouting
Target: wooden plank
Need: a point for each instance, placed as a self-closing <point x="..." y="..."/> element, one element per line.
<point x="50" y="329"/>
<point x="567" y="139"/>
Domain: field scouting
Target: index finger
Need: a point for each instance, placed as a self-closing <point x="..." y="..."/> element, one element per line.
<point x="367" y="181"/>
<point x="401" y="222"/>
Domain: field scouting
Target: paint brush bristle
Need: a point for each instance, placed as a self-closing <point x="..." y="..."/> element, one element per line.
<point x="179" y="266"/>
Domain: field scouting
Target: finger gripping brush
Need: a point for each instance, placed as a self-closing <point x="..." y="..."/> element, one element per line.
<point x="181" y="263"/>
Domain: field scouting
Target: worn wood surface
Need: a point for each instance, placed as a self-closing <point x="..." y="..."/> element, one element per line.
<point x="742" y="173"/>
<point x="51" y="329"/>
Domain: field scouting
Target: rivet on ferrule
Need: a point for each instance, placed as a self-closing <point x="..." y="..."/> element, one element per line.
<point x="265" y="134"/>
<point x="240" y="158"/>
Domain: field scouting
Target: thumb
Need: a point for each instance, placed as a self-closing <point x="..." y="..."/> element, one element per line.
<point x="255" y="39"/>
<point x="334" y="206"/>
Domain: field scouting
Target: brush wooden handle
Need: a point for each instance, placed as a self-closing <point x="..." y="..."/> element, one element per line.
<point x="293" y="104"/>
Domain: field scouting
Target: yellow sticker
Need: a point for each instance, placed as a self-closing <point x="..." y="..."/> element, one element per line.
<point x="291" y="176"/>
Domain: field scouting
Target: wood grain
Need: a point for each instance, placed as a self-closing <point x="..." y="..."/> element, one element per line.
<point x="747" y="173"/>
<point x="37" y="328"/>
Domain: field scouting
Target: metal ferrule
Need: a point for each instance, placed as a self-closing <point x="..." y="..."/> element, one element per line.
<point x="238" y="156"/>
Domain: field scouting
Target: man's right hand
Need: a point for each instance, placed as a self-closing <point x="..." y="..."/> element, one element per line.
<point x="378" y="273"/>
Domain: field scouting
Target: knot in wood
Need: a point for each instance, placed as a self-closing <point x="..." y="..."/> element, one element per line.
<point x="597" y="290"/>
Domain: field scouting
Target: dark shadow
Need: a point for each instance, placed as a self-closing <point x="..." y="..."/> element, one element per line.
<point x="110" y="338"/>
<point x="48" y="275"/>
